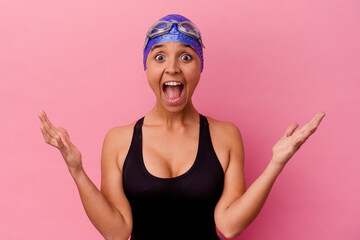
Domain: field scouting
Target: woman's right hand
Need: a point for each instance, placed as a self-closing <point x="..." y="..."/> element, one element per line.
<point x="59" y="138"/>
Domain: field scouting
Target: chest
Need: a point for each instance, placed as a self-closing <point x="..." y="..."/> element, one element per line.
<point x="168" y="154"/>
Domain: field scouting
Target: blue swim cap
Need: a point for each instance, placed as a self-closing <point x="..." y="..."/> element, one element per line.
<point x="174" y="35"/>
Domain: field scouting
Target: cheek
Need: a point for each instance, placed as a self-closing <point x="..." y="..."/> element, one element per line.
<point x="153" y="80"/>
<point x="193" y="81"/>
<point x="193" y="74"/>
<point x="198" y="63"/>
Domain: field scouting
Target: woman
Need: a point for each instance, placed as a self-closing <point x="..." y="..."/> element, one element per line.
<point x="174" y="174"/>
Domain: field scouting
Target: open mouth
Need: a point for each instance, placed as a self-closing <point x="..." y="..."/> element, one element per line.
<point x="174" y="91"/>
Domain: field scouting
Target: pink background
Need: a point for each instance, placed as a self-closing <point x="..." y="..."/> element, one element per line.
<point x="267" y="64"/>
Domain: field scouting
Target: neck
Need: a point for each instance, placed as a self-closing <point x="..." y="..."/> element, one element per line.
<point x="160" y="116"/>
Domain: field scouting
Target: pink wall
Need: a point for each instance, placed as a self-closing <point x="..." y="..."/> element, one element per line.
<point x="267" y="64"/>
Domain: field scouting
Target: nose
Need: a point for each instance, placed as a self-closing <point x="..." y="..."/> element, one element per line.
<point x="172" y="66"/>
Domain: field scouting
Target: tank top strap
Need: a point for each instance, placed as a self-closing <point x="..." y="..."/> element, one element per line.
<point x="205" y="139"/>
<point x="137" y="135"/>
<point x="204" y="130"/>
<point x="203" y="120"/>
<point x="139" y="124"/>
<point x="135" y="150"/>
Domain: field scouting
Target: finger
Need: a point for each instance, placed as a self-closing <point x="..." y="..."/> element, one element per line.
<point x="49" y="139"/>
<point x="45" y="134"/>
<point x="291" y="129"/>
<point x="62" y="146"/>
<point x="65" y="138"/>
<point x="46" y="119"/>
<point x="60" y="143"/>
<point x="51" y="130"/>
<point x="64" y="133"/>
<point x="311" y="126"/>
<point x="317" y="118"/>
<point x="42" y="117"/>
<point x="299" y="141"/>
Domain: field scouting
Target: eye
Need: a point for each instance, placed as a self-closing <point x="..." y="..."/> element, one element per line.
<point x="159" y="57"/>
<point x="186" y="57"/>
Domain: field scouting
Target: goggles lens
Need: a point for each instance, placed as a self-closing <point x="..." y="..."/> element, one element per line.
<point x="159" y="28"/>
<point x="161" y="25"/>
<point x="188" y="27"/>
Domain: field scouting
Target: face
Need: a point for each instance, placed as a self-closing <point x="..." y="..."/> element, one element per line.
<point x="173" y="70"/>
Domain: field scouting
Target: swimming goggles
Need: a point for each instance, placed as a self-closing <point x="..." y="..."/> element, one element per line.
<point x="163" y="27"/>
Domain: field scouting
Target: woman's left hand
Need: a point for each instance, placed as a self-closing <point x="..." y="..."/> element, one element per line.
<point x="287" y="146"/>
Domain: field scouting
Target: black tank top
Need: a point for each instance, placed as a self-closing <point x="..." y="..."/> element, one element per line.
<point x="174" y="208"/>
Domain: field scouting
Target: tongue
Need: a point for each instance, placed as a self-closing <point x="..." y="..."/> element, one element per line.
<point x="173" y="92"/>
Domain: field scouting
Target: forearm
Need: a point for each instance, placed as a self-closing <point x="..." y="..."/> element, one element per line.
<point x="245" y="209"/>
<point x="103" y="215"/>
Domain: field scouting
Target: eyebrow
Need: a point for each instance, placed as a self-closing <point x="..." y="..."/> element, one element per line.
<point x="162" y="45"/>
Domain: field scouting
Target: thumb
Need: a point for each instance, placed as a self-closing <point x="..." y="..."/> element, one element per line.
<point x="291" y="129"/>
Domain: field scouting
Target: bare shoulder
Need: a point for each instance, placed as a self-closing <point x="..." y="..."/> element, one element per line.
<point x="117" y="142"/>
<point x="118" y="135"/>
<point x="226" y="131"/>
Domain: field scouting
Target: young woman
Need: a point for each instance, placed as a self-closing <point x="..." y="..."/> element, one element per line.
<point x="174" y="174"/>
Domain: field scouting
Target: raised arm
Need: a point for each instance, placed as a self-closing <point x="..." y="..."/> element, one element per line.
<point x="109" y="212"/>
<point x="238" y="208"/>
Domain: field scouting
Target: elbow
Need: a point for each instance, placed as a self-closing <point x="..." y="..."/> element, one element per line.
<point x="230" y="226"/>
<point x="116" y="237"/>
<point x="229" y="233"/>
<point x="124" y="234"/>
<point x="112" y="237"/>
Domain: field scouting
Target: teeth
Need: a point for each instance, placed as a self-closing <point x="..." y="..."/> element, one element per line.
<point x="172" y="84"/>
